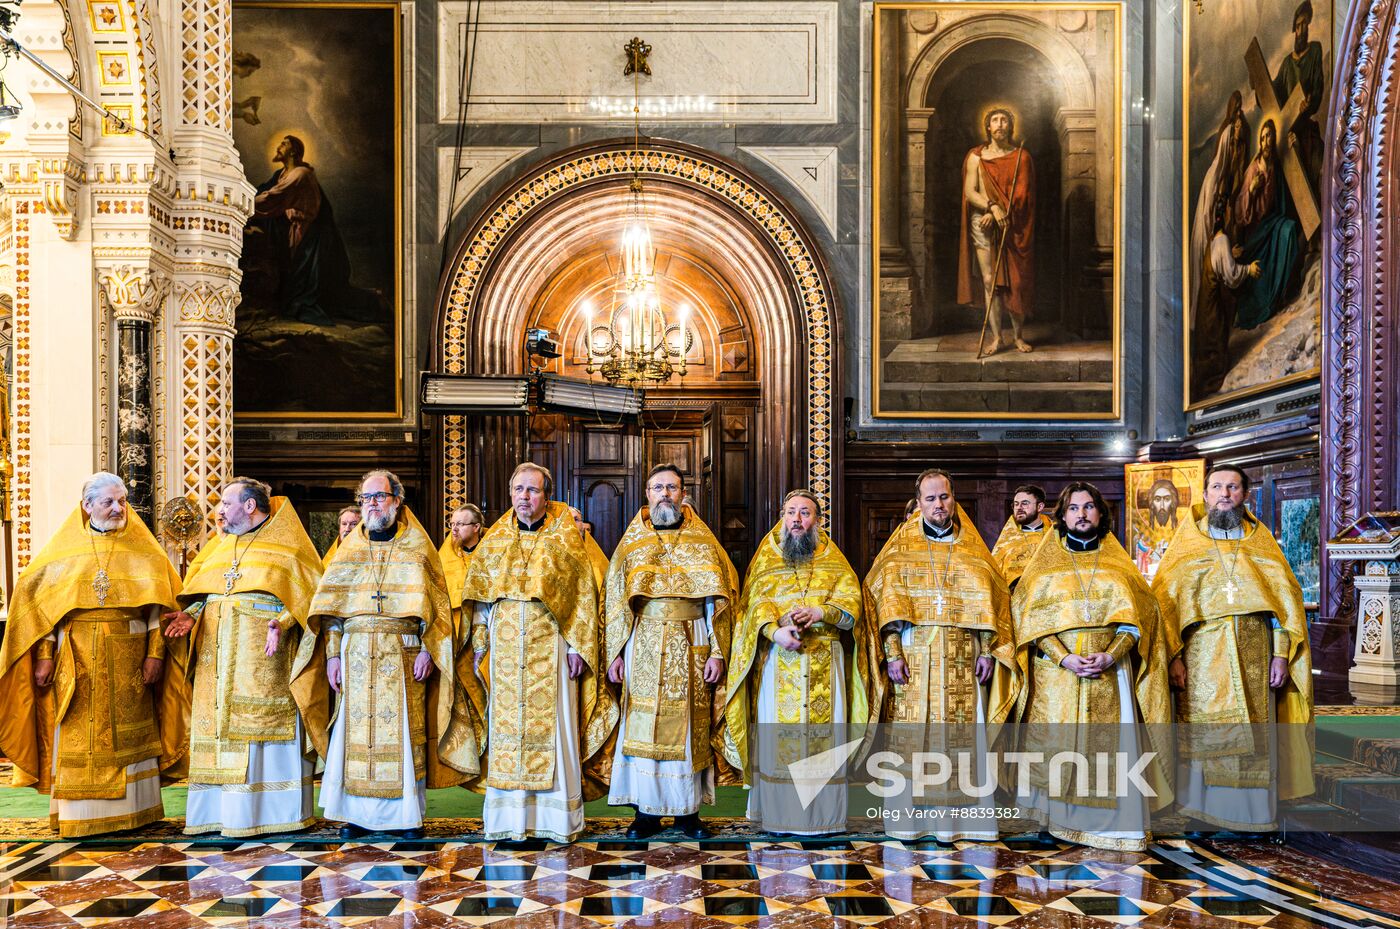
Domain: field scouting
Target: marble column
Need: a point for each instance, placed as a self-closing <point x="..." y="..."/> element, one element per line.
<point x="896" y="281"/>
<point x="135" y="446"/>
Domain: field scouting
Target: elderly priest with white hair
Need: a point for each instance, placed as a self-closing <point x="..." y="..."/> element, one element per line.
<point x="81" y="659"/>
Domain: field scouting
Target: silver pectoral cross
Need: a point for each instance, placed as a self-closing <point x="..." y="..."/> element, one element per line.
<point x="1088" y="614"/>
<point x="101" y="585"/>
<point x="939" y="601"/>
<point x="231" y="577"/>
<point x="1230" y="591"/>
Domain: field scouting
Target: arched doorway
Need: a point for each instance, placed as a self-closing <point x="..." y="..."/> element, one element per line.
<point x="754" y="415"/>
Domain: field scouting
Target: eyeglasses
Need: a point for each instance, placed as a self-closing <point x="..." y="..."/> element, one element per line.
<point x="378" y="496"/>
<point x="664" y="488"/>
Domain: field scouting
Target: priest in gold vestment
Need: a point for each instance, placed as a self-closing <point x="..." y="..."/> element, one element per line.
<point x="533" y="599"/>
<point x="803" y="667"/>
<point x="464" y="529"/>
<point x="1022" y="534"/>
<point x="253" y="669"/>
<point x="388" y="626"/>
<point x="669" y="595"/>
<point x="346" y="521"/>
<point x="1088" y="633"/>
<point x="81" y="657"/>
<point x="1234" y="611"/>
<point x="941" y="611"/>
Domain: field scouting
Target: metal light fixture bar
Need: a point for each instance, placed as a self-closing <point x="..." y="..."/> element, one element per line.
<point x="571" y="395"/>
<point x="450" y="393"/>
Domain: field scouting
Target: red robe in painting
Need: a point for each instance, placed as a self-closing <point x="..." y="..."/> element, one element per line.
<point x="1016" y="278"/>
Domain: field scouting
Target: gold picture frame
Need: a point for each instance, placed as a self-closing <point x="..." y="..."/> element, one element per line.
<point x="1209" y="82"/>
<point x="1157" y="496"/>
<point x="370" y="296"/>
<point x="925" y="362"/>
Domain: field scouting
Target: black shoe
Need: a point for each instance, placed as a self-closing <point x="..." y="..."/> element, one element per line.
<point x="351" y="831"/>
<point x="691" y="827"/>
<point x="644" y="826"/>
<point x="411" y="835"/>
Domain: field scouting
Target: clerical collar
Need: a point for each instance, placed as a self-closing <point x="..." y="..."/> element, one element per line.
<point x="99" y="531"/>
<point x="470" y="550"/>
<point x="1036" y="526"/>
<point x="1235" y="533"/>
<point x="531" y="527"/>
<point x="939" y="535"/>
<point x="382" y="535"/>
<point x="1076" y="544"/>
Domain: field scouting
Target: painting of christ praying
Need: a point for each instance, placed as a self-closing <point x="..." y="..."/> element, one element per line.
<point x="996" y="225"/>
<point x="316" y="124"/>
<point x="1255" y="101"/>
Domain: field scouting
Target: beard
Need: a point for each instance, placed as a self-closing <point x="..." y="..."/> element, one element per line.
<point x="941" y="522"/>
<point x="110" y="524"/>
<point x="237" y="525"/>
<point x="1161" y="516"/>
<point x="1225" y="520"/>
<point x="665" y="515"/>
<point x="1026" y="520"/>
<point x="798" y="549"/>
<point x="383" y="521"/>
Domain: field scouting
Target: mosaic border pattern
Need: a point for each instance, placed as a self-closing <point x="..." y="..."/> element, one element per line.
<point x="774" y="221"/>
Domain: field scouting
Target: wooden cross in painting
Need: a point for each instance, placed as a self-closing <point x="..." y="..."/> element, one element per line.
<point x="1284" y="114"/>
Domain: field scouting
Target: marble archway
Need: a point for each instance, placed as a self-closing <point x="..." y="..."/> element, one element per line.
<point x="772" y="258"/>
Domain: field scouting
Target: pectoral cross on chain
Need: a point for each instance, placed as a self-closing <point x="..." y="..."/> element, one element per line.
<point x="101" y="586"/>
<point x="939" y="601"/>
<point x="231" y="577"/>
<point x="1230" y="591"/>
<point x="379" y="597"/>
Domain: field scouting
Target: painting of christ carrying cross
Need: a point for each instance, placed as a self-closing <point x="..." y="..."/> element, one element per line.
<point x="1256" y="89"/>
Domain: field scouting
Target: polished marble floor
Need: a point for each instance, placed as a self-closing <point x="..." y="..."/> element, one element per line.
<point x="1023" y="884"/>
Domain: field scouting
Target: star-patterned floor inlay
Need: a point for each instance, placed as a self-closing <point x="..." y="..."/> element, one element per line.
<point x="1026" y="883"/>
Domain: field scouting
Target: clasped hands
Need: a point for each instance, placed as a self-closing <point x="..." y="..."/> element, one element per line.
<point x="792" y="623"/>
<point x="1091" y="665"/>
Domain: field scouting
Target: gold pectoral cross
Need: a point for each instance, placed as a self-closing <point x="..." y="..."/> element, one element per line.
<point x="101" y="586"/>
<point x="379" y="597"/>
<point x="231" y="577"/>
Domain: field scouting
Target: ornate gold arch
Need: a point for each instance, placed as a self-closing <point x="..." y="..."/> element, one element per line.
<point x="772" y="218"/>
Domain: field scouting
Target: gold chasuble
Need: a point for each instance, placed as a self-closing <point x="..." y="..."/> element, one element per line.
<point x="542" y="586"/>
<point x="1081" y="603"/>
<point x="657" y="585"/>
<point x="87" y="601"/>
<point x="330" y="554"/>
<point x="455" y="560"/>
<point x="950" y="593"/>
<point x="239" y="695"/>
<point x="1016" y="546"/>
<point x="599" y="560"/>
<point x="1218" y="597"/>
<point x="380" y="593"/>
<point x="803" y="678"/>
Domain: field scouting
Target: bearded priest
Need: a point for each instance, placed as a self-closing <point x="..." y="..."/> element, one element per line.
<point x="252" y="668"/>
<point x="942" y="612"/>
<point x="82" y="655"/>
<point x="669" y="596"/>
<point x="790" y="695"/>
<point x="533" y="598"/>
<point x="388" y="626"/>
<point x="1087" y="630"/>
<point x="1231" y="603"/>
<point x="1022" y="534"/>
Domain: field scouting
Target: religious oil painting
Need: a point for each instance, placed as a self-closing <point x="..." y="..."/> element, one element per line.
<point x="1257" y="81"/>
<point x="1158" y="497"/>
<point x="316" y="91"/>
<point x="1298" y="536"/>
<point x="996" y="223"/>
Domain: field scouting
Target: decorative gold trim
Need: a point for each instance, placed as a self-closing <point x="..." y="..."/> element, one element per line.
<point x="1119" y="127"/>
<point x="769" y="216"/>
<point x="398" y="301"/>
<point x="1235" y="395"/>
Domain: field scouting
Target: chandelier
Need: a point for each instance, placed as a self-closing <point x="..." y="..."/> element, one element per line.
<point x="636" y="345"/>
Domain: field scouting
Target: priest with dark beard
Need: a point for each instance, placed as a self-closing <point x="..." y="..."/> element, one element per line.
<point x="790" y="696"/>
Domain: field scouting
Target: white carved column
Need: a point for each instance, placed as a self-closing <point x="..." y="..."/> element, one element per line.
<point x="1373" y="541"/>
<point x="213" y="201"/>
